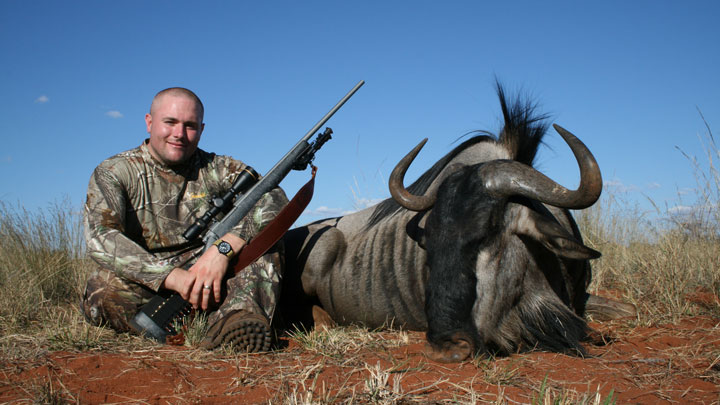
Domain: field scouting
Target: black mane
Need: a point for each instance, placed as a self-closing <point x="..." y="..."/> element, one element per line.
<point x="524" y="128"/>
<point x="521" y="135"/>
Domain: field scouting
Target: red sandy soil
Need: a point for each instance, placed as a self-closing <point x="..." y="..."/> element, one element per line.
<point x="672" y="363"/>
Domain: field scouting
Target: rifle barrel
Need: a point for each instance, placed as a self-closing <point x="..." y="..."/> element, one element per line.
<point x="272" y="178"/>
<point x="327" y="116"/>
<point x="302" y="144"/>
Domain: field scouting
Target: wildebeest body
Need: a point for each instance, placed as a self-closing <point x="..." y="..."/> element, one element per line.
<point x="336" y="272"/>
<point x="495" y="263"/>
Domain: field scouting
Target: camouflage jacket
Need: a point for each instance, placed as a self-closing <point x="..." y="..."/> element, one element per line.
<point x="137" y="210"/>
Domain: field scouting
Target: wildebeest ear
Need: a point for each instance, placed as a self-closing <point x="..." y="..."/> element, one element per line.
<point x="551" y="235"/>
<point x="415" y="228"/>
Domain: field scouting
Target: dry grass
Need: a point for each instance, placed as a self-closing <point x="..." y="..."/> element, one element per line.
<point x="337" y="342"/>
<point x="41" y="262"/>
<point x="656" y="270"/>
<point x="548" y="394"/>
<point x="653" y="260"/>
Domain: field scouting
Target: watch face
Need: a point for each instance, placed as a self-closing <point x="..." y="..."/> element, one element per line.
<point x="224" y="247"/>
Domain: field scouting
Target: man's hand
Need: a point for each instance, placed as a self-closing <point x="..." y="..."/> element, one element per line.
<point x="190" y="284"/>
<point x="209" y="271"/>
<point x="180" y="281"/>
<point x="207" y="275"/>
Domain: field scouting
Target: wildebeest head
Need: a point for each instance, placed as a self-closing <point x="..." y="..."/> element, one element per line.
<point x="505" y="259"/>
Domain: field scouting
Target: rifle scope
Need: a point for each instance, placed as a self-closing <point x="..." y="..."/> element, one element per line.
<point x="244" y="181"/>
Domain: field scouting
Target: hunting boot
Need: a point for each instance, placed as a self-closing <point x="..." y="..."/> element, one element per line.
<point x="245" y="331"/>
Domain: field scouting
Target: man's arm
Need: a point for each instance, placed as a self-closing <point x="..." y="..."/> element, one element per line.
<point x="105" y="237"/>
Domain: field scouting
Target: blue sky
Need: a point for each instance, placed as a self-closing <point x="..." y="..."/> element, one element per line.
<point x="627" y="77"/>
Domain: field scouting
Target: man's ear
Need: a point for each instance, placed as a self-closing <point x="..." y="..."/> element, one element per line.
<point x="148" y="122"/>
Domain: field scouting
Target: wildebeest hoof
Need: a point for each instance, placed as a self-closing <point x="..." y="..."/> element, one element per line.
<point x="455" y="350"/>
<point x="605" y="309"/>
<point x="598" y="338"/>
<point x="321" y="318"/>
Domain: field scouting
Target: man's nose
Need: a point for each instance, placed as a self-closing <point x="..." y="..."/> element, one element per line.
<point x="179" y="131"/>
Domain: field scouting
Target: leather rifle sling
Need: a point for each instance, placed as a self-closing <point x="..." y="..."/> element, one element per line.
<point x="275" y="230"/>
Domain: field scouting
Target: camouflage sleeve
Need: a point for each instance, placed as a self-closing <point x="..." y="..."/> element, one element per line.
<point x="107" y="244"/>
<point x="262" y="213"/>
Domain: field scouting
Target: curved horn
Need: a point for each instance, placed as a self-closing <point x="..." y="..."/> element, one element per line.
<point x="408" y="200"/>
<point x="506" y="178"/>
<point x="398" y="190"/>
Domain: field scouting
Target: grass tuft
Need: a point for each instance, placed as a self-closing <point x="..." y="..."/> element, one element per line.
<point x="656" y="260"/>
<point x="41" y="263"/>
<point x="337" y="342"/>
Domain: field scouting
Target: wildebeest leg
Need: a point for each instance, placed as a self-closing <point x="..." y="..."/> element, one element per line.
<point x="299" y="301"/>
<point x="294" y="307"/>
<point x="605" y="309"/>
<point x="321" y="318"/>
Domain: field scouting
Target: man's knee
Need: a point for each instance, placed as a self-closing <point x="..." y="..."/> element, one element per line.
<point x="111" y="301"/>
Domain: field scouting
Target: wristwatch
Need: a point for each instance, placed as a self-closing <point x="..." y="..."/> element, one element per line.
<point x="224" y="248"/>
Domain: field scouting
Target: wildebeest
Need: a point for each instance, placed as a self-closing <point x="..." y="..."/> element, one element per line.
<point x="481" y="251"/>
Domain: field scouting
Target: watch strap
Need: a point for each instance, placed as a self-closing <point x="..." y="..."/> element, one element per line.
<point x="229" y="253"/>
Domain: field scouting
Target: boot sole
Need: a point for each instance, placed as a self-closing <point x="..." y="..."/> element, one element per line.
<point x="245" y="334"/>
<point x="249" y="336"/>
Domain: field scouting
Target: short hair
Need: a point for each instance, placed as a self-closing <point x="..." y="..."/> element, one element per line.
<point x="180" y="91"/>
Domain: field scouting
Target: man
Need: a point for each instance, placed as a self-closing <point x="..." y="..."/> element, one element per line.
<point x="139" y="203"/>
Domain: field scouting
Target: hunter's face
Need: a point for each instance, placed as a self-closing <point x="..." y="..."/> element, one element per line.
<point x="175" y="125"/>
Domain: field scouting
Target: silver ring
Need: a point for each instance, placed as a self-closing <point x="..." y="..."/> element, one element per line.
<point x="207" y="287"/>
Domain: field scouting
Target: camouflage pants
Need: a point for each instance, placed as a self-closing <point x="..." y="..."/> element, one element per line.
<point x="113" y="301"/>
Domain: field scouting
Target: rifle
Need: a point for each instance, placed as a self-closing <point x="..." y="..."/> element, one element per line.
<point x="154" y="320"/>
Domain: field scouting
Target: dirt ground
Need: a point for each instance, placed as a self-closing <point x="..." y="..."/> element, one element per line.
<point x="672" y="363"/>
